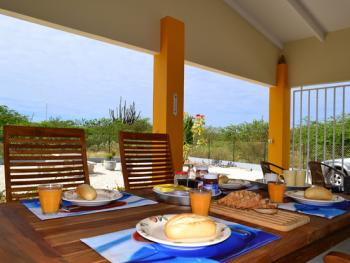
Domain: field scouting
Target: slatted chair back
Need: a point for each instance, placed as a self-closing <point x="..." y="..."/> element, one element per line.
<point x="317" y="176"/>
<point x="36" y="155"/>
<point x="267" y="167"/>
<point x="325" y="175"/>
<point x="146" y="159"/>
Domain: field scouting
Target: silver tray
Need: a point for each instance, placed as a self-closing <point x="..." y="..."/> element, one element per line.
<point x="176" y="197"/>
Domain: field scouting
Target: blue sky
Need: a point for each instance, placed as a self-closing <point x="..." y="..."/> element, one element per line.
<point x="77" y="77"/>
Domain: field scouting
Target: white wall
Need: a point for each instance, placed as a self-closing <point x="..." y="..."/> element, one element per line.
<point x="313" y="62"/>
<point x="216" y="36"/>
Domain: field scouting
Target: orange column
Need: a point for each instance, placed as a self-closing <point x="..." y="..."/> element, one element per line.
<point x="279" y="118"/>
<point x="168" y="90"/>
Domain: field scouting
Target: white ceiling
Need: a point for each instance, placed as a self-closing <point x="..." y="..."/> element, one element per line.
<point x="283" y="21"/>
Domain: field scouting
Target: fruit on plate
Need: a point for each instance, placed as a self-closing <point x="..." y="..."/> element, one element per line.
<point x="223" y="179"/>
<point x="166" y="188"/>
<point x="86" y="191"/>
<point x="318" y="193"/>
<point x="190" y="227"/>
<point x="236" y="181"/>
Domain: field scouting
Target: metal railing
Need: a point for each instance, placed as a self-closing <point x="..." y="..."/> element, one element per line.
<point x="317" y="116"/>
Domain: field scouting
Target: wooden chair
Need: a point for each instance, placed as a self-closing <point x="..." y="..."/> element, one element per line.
<point x="267" y="167"/>
<point x="146" y="159"/>
<point x="327" y="176"/>
<point x="35" y="155"/>
<point x="336" y="257"/>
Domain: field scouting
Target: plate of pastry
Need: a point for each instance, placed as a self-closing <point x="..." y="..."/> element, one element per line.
<point x="86" y="195"/>
<point x="315" y="195"/>
<point x="183" y="230"/>
<point x="248" y="200"/>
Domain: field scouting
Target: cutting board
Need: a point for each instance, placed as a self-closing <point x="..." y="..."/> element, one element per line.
<point x="282" y="221"/>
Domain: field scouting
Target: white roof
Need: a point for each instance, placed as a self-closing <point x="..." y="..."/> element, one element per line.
<point x="283" y="21"/>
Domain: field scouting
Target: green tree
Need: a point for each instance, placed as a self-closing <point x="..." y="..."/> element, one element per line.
<point x="194" y="130"/>
<point x="188" y="124"/>
<point x="9" y="116"/>
<point x="100" y="133"/>
<point x="323" y="132"/>
<point x="231" y="135"/>
<point x="57" y="123"/>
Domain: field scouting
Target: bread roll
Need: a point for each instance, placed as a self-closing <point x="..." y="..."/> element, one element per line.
<point x="86" y="192"/>
<point x="190" y="228"/>
<point x="318" y="193"/>
<point x="223" y="179"/>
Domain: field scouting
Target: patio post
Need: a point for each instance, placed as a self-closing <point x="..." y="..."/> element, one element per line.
<point x="279" y="118"/>
<point x="168" y="86"/>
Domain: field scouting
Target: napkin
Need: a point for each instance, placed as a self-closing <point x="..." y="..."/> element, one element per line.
<point x="322" y="211"/>
<point x="128" y="246"/>
<point x="126" y="201"/>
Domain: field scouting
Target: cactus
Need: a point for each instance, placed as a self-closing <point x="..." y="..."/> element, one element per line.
<point x="125" y="114"/>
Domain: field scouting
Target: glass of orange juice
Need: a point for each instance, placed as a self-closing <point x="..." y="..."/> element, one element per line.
<point x="276" y="192"/>
<point x="50" y="197"/>
<point x="200" y="201"/>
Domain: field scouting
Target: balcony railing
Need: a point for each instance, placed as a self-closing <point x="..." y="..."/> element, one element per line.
<point x="320" y="119"/>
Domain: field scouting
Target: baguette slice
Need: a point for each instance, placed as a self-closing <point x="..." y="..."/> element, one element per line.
<point x="86" y="192"/>
<point x="318" y="193"/>
<point x="190" y="228"/>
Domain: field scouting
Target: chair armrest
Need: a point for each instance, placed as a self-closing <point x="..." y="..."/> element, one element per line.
<point x="336" y="257"/>
<point x="334" y="169"/>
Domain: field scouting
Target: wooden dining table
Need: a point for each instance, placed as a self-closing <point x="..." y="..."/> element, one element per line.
<point x="25" y="238"/>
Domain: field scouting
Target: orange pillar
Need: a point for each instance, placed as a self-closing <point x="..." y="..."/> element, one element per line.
<point x="168" y="86"/>
<point x="279" y="118"/>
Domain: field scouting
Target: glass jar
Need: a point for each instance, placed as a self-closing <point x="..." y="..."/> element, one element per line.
<point x="180" y="178"/>
<point x="201" y="171"/>
<point x="191" y="174"/>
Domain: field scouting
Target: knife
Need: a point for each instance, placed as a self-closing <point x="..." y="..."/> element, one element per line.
<point x="75" y="208"/>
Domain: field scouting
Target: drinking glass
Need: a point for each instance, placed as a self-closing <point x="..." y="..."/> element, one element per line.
<point x="300" y="177"/>
<point x="270" y="177"/>
<point x="50" y="197"/>
<point x="200" y="201"/>
<point x="289" y="177"/>
<point x="276" y="192"/>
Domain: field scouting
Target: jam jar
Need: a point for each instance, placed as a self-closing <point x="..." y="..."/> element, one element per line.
<point x="211" y="183"/>
<point x="201" y="171"/>
<point x="181" y="178"/>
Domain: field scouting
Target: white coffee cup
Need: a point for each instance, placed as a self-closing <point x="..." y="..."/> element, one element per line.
<point x="289" y="177"/>
<point x="270" y="177"/>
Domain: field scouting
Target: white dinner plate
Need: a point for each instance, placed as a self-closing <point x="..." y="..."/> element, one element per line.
<point x="235" y="184"/>
<point x="152" y="228"/>
<point x="299" y="197"/>
<point x="104" y="196"/>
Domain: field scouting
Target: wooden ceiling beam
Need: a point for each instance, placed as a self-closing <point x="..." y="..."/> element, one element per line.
<point x="255" y="23"/>
<point x="310" y="21"/>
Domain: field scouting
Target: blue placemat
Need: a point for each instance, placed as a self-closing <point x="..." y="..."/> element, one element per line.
<point x="126" y="201"/>
<point x="128" y="246"/>
<point x="322" y="211"/>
